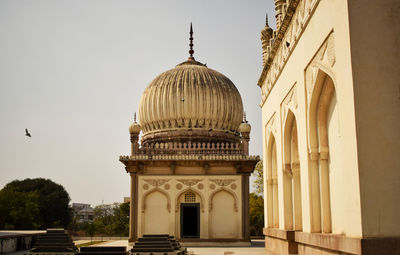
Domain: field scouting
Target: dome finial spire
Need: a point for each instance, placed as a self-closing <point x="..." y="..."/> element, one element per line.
<point x="266" y="19"/>
<point x="191" y="51"/>
<point x="134" y="118"/>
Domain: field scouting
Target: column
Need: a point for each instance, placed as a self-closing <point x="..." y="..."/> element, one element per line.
<point x="132" y="211"/>
<point x="246" y="211"/>
<point x="325" y="191"/>
<point x="297" y="196"/>
<point x="275" y="201"/>
<point x="314" y="190"/>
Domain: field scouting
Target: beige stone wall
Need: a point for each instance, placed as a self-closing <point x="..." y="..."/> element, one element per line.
<point x="331" y="113"/>
<point x="220" y="198"/>
<point x="375" y="54"/>
<point x="313" y="86"/>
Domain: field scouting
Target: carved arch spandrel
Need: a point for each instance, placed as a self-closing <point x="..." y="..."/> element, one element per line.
<point x="289" y="103"/>
<point x="178" y="196"/>
<point x="271" y="127"/>
<point x="156" y="182"/>
<point x="156" y="189"/>
<point x="324" y="60"/>
<point x="219" y="190"/>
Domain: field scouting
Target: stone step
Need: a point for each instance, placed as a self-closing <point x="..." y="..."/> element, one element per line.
<point x="103" y="252"/>
<point x="152" y="249"/>
<point x="103" y="249"/>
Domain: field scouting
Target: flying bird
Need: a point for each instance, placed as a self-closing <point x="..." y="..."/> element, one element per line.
<point x="27" y="133"/>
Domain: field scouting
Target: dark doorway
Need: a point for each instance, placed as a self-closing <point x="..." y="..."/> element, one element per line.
<point x="190" y="220"/>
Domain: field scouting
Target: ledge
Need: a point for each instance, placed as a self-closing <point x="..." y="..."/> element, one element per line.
<point x="279" y="233"/>
<point x="330" y="241"/>
<point x="341" y="243"/>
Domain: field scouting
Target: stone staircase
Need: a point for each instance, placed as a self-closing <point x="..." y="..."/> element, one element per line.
<point x="157" y="245"/>
<point x="55" y="241"/>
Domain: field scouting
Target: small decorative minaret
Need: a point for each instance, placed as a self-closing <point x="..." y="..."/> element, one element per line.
<point x="244" y="129"/>
<point x="134" y="131"/>
<point x="279" y="5"/>
<point x="266" y="35"/>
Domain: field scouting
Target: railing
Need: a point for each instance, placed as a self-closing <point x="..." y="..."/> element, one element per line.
<point x="191" y="149"/>
<point x="188" y="157"/>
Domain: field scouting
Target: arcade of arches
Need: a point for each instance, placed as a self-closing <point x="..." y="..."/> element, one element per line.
<point x="331" y="124"/>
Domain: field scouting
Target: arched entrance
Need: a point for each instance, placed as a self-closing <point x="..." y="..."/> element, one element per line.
<point x="190" y="216"/>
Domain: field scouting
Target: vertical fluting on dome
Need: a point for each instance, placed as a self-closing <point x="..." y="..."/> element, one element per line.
<point x="191" y="103"/>
<point x="191" y="97"/>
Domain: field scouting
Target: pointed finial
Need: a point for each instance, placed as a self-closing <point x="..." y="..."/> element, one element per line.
<point x="191" y="51"/>
<point x="244" y="117"/>
<point x="266" y="19"/>
<point x="134" y="117"/>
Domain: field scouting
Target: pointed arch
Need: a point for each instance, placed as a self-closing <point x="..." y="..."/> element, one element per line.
<point x="223" y="215"/>
<point x="323" y="90"/>
<point x="178" y="196"/>
<point x="272" y="183"/>
<point x="323" y="72"/>
<point x="156" y="189"/>
<point x="220" y="190"/>
<point x="291" y="174"/>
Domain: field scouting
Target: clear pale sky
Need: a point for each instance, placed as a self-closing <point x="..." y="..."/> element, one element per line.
<point x="73" y="71"/>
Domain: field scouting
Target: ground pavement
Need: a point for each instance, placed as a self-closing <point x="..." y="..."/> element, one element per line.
<point x="257" y="248"/>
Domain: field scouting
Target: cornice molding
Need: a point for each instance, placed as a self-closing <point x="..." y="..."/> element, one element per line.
<point x="296" y="17"/>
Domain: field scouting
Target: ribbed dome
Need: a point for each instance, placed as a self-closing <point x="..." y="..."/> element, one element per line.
<point x="191" y="102"/>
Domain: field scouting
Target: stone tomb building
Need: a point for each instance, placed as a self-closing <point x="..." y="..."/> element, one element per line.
<point x="190" y="172"/>
<point x="331" y="127"/>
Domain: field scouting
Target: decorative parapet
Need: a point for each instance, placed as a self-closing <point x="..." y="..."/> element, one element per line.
<point x="189" y="157"/>
<point x="191" y="149"/>
<point x="294" y="19"/>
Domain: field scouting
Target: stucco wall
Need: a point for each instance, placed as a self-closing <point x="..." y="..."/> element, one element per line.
<point x="220" y="198"/>
<point x="375" y="54"/>
<point x="330" y="20"/>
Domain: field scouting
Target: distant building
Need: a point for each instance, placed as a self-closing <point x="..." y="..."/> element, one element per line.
<point x="331" y="127"/>
<point x="127" y="199"/>
<point x="83" y="212"/>
<point x="190" y="173"/>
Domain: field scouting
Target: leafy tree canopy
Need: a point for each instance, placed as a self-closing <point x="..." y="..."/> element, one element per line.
<point x="112" y="220"/>
<point x="258" y="173"/>
<point x="256" y="205"/>
<point x="34" y="204"/>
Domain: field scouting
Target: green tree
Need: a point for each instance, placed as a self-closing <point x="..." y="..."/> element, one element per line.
<point x="121" y="219"/>
<point x="90" y="230"/>
<point x="256" y="214"/>
<point x="259" y="181"/>
<point x="18" y="210"/>
<point x="34" y="203"/>
<point x="113" y="219"/>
